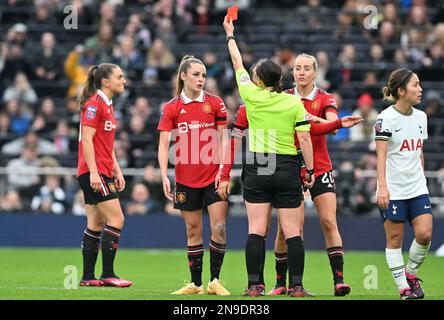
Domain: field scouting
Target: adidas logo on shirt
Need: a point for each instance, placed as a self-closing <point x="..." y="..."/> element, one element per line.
<point x="182" y="111"/>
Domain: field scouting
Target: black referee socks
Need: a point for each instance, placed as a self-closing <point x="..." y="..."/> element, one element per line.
<point x="296" y="260"/>
<point x="254" y="252"/>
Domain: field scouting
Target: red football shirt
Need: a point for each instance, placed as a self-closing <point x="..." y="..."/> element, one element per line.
<point x="98" y="113"/>
<point x="318" y="103"/>
<point x="193" y="124"/>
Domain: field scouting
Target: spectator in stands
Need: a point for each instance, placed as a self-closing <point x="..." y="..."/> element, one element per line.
<point x="102" y="42"/>
<point x="78" y="207"/>
<point x="212" y="87"/>
<point x="400" y="58"/>
<point x="365" y="109"/>
<point x="107" y="14"/>
<point x="47" y="60"/>
<point x="418" y="20"/>
<point x="62" y="138"/>
<point x="345" y="182"/>
<point x="323" y="67"/>
<point x="344" y="133"/>
<point x="313" y="14"/>
<point x="165" y="31"/>
<point x="285" y="59"/>
<point x="51" y="198"/>
<point x="371" y="85"/>
<point x="433" y="109"/>
<point x="390" y="14"/>
<point x="26" y="182"/>
<point x="141" y="108"/>
<point x="46" y="121"/>
<point x="377" y="59"/>
<point x="364" y="187"/>
<point x="128" y="57"/>
<point x="6" y="66"/>
<point x="437" y="36"/>
<point x="160" y="56"/>
<point x="20" y="117"/>
<point x="84" y="12"/>
<point x="21" y="91"/>
<point x="5" y="125"/>
<point x="76" y="67"/>
<point x="18" y="35"/>
<point x="387" y="34"/>
<point x="44" y="17"/>
<point x="346" y="60"/>
<point x="416" y="48"/>
<point x="153" y="181"/>
<point x="42" y="146"/>
<point x="214" y="68"/>
<point x="138" y="31"/>
<point x="141" y="202"/>
<point x="11" y="202"/>
<point x="160" y="62"/>
<point x="72" y="113"/>
<point x="122" y="154"/>
<point x="432" y="62"/>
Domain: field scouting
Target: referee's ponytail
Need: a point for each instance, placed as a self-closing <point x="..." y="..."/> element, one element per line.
<point x="185" y="64"/>
<point x="96" y="74"/>
<point x="270" y="73"/>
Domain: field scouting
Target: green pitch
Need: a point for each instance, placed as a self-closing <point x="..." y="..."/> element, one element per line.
<point x="43" y="274"/>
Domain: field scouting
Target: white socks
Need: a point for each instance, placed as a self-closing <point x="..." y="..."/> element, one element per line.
<point x="395" y="262"/>
<point x="417" y="255"/>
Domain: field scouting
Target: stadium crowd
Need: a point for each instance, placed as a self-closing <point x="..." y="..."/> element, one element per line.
<point x="43" y="66"/>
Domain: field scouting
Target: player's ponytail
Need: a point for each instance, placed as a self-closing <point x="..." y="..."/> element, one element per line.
<point x="94" y="81"/>
<point x="397" y="79"/>
<point x="89" y="88"/>
<point x="185" y="64"/>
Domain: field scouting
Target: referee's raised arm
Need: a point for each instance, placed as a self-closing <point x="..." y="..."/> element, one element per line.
<point x="235" y="55"/>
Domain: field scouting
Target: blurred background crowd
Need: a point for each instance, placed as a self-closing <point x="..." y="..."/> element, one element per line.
<point x="44" y="61"/>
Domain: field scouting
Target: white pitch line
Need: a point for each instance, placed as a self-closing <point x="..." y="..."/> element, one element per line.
<point x="96" y="288"/>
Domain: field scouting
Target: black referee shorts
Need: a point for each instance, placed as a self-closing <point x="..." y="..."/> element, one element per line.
<point x="190" y="199"/>
<point x="278" y="184"/>
<point x="107" y="191"/>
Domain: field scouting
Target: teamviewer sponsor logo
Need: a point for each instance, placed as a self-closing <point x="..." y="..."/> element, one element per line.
<point x="184" y="127"/>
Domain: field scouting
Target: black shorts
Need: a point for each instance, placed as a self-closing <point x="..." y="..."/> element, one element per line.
<point x="279" y="185"/>
<point x="107" y="192"/>
<point x="190" y="199"/>
<point x="323" y="184"/>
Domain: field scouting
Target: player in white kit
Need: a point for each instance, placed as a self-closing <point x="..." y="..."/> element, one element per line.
<point x="402" y="193"/>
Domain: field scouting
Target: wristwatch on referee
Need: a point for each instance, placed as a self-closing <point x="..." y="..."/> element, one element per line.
<point x="230" y="37"/>
<point x="311" y="171"/>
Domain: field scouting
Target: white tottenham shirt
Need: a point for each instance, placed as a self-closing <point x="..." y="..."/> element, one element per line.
<point x="405" y="135"/>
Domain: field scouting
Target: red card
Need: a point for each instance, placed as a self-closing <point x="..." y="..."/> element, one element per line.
<point x="232" y="13"/>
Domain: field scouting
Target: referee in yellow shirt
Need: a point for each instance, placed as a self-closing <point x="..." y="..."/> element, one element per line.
<point x="273" y="117"/>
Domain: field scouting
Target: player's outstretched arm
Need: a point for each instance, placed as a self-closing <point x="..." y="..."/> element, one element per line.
<point x="235" y="55"/>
